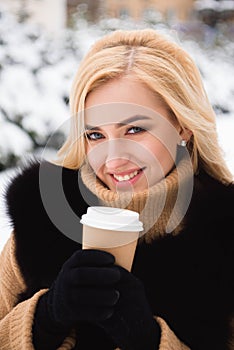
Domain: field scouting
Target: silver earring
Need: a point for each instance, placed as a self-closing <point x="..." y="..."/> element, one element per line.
<point x="183" y="143"/>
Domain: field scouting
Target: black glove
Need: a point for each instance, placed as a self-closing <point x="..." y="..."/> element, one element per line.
<point x="132" y="325"/>
<point x="83" y="291"/>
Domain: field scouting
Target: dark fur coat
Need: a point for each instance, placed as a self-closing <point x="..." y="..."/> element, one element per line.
<point x="188" y="278"/>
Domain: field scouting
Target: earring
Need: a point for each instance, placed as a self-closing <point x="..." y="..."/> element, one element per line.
<point x="183" y="143"/>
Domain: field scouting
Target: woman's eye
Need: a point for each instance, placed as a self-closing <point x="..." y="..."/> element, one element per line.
<point x="93" y="136"/>
<point x="135" y="130"/>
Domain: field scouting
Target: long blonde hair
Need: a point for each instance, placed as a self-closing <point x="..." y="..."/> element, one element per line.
<point x="167" y="70"/>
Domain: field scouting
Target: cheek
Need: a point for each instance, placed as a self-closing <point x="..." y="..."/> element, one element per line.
<point x="163" y="143"/>
<point x="96" y="156"/>
<point x="89" y="150"/>
<point x="92" y="160"/>
<point x="162" y="152"/>
<point x="163" y="156"/>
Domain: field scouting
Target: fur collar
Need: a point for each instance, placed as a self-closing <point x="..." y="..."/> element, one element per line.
<point x="41" y="247"/>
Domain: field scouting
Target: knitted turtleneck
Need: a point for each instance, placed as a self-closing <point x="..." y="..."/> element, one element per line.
<point x="161" y="207"/>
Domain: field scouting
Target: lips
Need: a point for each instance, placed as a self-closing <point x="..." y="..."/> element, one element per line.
<point x="127" y="177"/>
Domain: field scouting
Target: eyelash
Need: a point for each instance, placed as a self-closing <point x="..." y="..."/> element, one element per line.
<point x="90" y="134"/>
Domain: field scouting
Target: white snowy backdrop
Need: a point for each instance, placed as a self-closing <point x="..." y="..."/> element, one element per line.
<point x="36" y="72"/>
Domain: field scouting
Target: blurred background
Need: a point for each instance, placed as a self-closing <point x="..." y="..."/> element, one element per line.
<point x="43" y="41"/>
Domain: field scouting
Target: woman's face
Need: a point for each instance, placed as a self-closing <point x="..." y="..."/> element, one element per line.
<point x="131" y="138"/>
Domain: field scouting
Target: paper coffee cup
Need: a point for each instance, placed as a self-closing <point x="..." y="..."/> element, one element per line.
<point x="113" y="230"/>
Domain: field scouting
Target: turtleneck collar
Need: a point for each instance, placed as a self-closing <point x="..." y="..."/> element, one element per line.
<point x="161" y="207"/>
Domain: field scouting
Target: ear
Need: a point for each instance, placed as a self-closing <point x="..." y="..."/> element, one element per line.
<point x="186" y="134"/>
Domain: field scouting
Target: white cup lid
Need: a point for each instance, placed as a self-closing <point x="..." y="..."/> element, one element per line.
<point x="109" y="218"/>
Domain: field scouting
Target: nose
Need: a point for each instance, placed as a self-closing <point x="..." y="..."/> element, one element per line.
<point x="116" y="164"/>
<point x="117" y="155"/>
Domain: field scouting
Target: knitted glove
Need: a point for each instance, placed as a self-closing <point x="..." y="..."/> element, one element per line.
<point x="83" y="291"/>
<point x="132" y="325"/>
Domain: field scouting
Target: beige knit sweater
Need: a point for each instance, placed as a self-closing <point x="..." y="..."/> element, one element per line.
<point x="16" y="320"/>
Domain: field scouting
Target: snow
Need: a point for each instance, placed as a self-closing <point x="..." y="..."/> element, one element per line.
<point x="16" y="84"/>
<point x="18" y="145"/>
<point x="36" y="75"/>
<point x="214" y="5"/>
<point x="217" y="72"/>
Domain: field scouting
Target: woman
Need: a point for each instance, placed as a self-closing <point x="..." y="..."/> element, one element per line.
<point x="141" y="124"/>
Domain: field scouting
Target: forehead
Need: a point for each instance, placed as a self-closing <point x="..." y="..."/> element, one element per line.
<point x="121" y="98"/>
<point x="128" y="89"/>
<point x="118" y="112"/>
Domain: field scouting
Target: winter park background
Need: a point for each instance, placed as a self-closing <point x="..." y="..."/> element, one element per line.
<point x="36" y="71"/>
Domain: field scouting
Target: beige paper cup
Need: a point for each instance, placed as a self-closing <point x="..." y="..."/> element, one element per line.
<point x="113" y="230"/>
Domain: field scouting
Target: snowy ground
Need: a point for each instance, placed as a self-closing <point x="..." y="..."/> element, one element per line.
<point x="225" y="124"/>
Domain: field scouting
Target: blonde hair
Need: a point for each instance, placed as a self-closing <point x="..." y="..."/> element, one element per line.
<point x="168" y="71"/>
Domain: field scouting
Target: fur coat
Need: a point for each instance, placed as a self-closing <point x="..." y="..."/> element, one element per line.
<point x="188" y="277"/>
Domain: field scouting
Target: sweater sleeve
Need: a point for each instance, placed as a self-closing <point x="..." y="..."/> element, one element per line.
<point x="169" y="341"/>
<point x="16" y="320"/>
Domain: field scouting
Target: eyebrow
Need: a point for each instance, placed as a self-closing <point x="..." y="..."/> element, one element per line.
<point x="122" y="123"/>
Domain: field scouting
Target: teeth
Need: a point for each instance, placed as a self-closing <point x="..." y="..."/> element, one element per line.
<point x="125" y="177"/>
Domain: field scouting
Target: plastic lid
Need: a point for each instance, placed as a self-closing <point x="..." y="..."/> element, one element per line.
<point x="108" y="218"/>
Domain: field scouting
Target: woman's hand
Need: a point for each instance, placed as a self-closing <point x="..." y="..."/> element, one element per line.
<point x="84" y="290"/>
<point x="132" y="325"/>
<point x="90" y="288"/>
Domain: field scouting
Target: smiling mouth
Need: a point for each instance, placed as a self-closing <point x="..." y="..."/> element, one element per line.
<point x="127" y="177"/>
